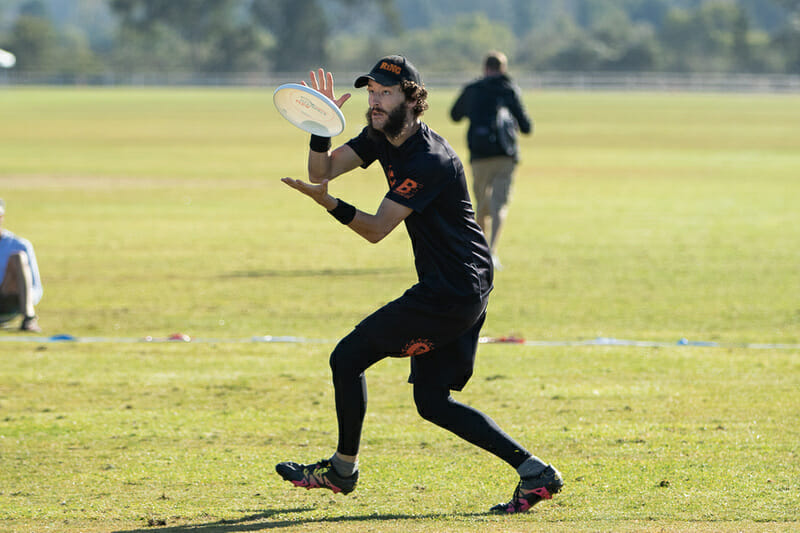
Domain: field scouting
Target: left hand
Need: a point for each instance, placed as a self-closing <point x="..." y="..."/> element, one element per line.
<point x="318" y="192"/>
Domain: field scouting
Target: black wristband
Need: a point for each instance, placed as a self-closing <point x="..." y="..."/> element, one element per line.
<point x="320" y="144"/>
<point x="343" y="212"/>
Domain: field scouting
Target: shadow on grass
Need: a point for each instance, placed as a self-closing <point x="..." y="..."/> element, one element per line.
<point x="311" y="273"/>
<point x="263" y="521"/>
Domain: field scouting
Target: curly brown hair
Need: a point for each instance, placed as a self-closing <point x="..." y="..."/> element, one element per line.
<point x="416" y="93"/>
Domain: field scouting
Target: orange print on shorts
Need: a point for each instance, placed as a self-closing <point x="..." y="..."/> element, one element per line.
<point x="417" y="347"/>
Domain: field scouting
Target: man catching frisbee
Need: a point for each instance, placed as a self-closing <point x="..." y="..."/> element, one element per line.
<point x="436" y="322"/>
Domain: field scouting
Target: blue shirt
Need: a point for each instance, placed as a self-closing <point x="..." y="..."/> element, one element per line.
<point x="10" y="244"/>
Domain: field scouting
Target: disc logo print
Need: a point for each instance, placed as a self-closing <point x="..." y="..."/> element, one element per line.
<point x="417" y="347"/>
<point x="305" y="103"/>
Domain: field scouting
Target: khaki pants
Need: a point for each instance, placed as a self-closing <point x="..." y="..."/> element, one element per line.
<point x="492" y="179"/>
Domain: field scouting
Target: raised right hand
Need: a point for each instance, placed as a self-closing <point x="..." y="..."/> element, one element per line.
<point x="323" y="82"/>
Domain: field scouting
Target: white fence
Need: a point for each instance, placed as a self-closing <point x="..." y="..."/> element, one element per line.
<point x="583" y="81"/>
<point x="644" y="81"/>
<point x="664" y="82"/>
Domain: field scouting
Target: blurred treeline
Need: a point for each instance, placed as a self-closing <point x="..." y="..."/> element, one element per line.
<point x="85" y="38"/>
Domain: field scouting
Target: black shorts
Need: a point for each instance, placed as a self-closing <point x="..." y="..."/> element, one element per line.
<point x="439" y="335"/>
<point x="9" y="307"/>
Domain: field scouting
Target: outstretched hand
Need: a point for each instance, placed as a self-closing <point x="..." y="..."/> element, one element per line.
<point x="323" y="82"/>
<point x="318" y="192"/>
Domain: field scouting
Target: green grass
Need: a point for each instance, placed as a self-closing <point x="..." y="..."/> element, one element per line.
<point x="635" y="216"/>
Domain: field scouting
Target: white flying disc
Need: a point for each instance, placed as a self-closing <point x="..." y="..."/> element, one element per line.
<point x="7" y="59"/>
<point x="308" y="109"/>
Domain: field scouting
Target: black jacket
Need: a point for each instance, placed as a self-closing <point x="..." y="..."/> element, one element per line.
<point x="494" y="107"/>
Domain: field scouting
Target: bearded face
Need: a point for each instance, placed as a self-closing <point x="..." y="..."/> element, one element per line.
<point x="389" y="123"/>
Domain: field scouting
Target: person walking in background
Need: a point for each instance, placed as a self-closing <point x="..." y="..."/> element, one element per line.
<point x="21" y="286"/>
<point x="494" y="107"/>
<point x="436" y="323"/>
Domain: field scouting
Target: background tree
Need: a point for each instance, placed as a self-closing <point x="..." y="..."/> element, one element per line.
<point x="83" y="38"/>
<point x="302" y="29"/>
<point x="33" y="39"/>
<point x="218" y="35"/>
<point x="786" y="41"/>
<point x="703" y="39"/>
<point x="457" y="47"/>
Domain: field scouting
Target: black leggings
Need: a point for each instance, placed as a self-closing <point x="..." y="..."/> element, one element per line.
<point x="353" y="356"/>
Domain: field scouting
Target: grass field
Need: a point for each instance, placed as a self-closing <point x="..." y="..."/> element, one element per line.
<point x="649" y="217"/>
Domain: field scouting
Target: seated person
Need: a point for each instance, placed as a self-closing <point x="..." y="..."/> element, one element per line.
<point x="20" y="284"/>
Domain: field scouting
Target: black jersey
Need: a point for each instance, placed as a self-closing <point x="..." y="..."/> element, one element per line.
<point x="451" y="255"/>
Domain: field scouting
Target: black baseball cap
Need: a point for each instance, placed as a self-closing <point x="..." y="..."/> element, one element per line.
<point x="391" y="70"/>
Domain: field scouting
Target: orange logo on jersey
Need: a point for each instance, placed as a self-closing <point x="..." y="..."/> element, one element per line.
<point x="408" y="188"/>
<point x="417" y="347"/>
